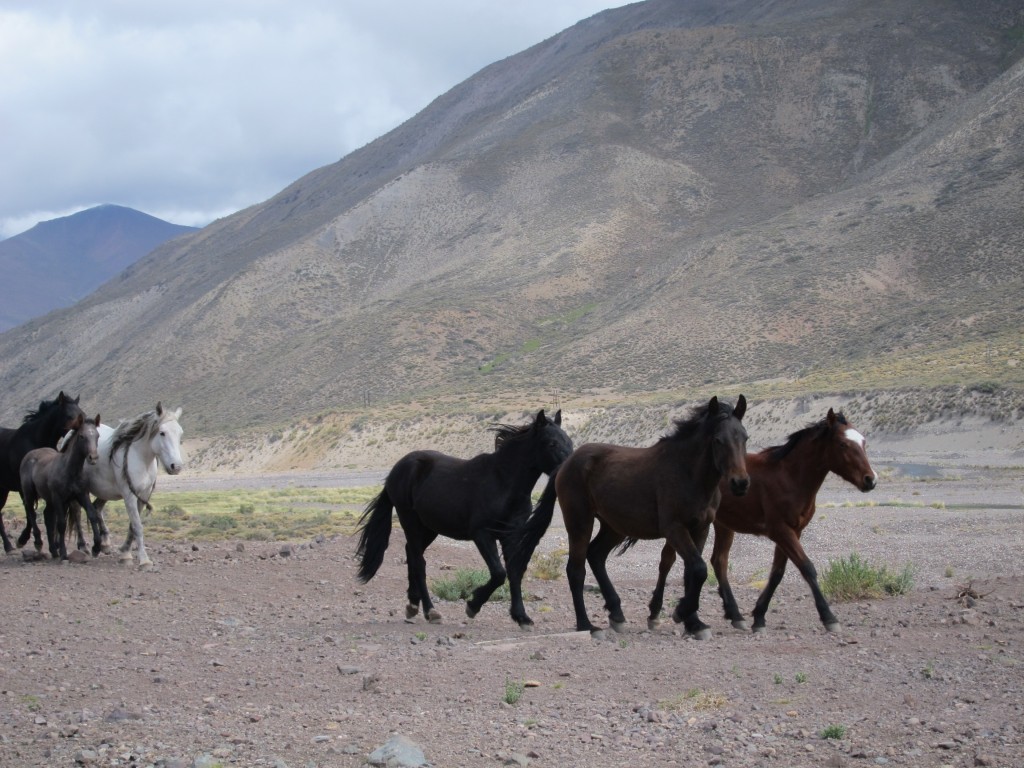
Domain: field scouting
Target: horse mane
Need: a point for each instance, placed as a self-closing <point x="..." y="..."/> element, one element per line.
<point x="37" y="414"/>
<point x="127" y="432"/>
<point x="812" y="431"/>
<point x="689" y="426"/>
<point x="507" y="433"/>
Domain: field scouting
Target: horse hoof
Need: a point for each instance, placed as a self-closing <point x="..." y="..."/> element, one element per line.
<point x="618" y="626"/>
<point x="833" y="627"/>
<point x="433" y="616"/>
<point x="653" y="624"/>
<point x="740" y="624"/>
<point x="146" y="566"/>
<point x="701" y="634"/>
<point x="597" y="634"/>
<point x="759" y="629"/>
<point x="411" y="611"/>
<point x="470" y="612"/>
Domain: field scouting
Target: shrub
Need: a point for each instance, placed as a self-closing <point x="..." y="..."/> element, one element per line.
<point x="461" y="585"/>
<point x="550" y="566"/>
<point x="853" y="579"/>
<point x="513" y="691"/>
<point x="833" y="732"/>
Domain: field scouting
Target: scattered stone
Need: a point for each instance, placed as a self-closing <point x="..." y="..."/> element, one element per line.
<point x="78" y="557"/>
<point x="398" y="752"/>
<point x="86" y="757"/>
<point x="120" y="715"/>
<point x="239" y="547"/>
<point x="285" y="551"/>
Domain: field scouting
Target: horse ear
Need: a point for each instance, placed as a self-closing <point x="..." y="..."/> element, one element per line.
<point x="558" y="417"/>
<point x="97" y="419"/>
<point x="713" y="405"/>
<point x="831" y="417"/>
<point x="159" y="409"/>
<point x="77" y="423"/>
<point x="741" y="408"/>
<point x="61" y="397"/>
<point x="177" y="413"/>
<point x="541" y="419"/>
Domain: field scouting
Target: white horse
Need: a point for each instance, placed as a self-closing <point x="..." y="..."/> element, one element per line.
<point x="127" y="469"/>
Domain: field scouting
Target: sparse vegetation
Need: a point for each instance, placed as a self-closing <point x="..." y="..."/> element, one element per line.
<point x="548" y="566"/>
<point x="851" y="578"/>
<point x="833" y="732"/>
<point x="461" y="584"/>
<point x="513" y="691"/>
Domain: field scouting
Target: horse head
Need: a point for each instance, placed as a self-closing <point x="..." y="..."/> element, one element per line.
<point x="89" y="435"/>
<point x="555" y="444"/>
<point x="729" y="443"/>
<point x="165" y="440"/>
<point x="847" y="453"/>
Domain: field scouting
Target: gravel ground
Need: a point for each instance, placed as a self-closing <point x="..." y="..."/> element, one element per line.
<point x="271" y="654"/>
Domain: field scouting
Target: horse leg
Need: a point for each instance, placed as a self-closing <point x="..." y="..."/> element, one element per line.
<point x="60" y="524"/>
<point x="74" y="523"/>
<point x="8" y="546"/>
<point x="131" y="505"/>
<point x="695" y="573"/>
<point x="579" y="533"/>
<point x="668" y="559"/>
<point x="488" y="548"/>
<point x="515" y="585"/>
<point x="720" y="562"/>
<point x="417" y="539"/>
<point x="788" y="547"/>
<point x="94" y="522"/>
<point x="779" y="561"/>
<point x="597" y="555"/>
<point x="99" y="504"/>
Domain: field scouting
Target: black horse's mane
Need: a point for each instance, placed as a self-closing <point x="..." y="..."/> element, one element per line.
<point x="506" y="433"/>
<point x="689" y="426"/>
<point x="44" y="406"/>
<point x="810" y="432"/>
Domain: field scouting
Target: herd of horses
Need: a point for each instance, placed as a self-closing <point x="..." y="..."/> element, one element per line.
<point x="697" y="476"/>
<point x="71" y="462"/>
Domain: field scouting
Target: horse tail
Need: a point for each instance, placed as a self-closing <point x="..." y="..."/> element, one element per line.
<point x="629" y="542"/>
<point x="374" y="533"/>
<point x="534" y="528"/>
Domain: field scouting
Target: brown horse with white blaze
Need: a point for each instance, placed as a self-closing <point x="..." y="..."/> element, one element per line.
<point x="785" y="481"/>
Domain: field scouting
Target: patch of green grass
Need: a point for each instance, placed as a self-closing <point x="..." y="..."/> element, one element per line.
<point x="513" y="691"/>
<point x="461" y="584"/>
<point x="833" y="732"/>
<point x="854" y="579"/>
<point x="268" y="514"/>
<point x="695" y="700"/>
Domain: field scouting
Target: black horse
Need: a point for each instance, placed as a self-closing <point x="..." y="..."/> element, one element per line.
<point x="40" y="428"/>
<point x="57" y="476"/>
<point x="484" y="500"/>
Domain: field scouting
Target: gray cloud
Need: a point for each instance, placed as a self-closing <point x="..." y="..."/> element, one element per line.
<point x="192" y="110"/>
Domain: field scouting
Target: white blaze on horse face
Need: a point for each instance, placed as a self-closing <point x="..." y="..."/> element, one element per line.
<point x="857" y="438"/>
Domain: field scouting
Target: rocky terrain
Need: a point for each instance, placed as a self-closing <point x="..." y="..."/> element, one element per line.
<point x="272" y="654"/>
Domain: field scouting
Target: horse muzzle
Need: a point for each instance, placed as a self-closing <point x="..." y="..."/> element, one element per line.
<point x="739" y="485"/>
<point x="869" y="483"/>
<point x="174" y="469"/>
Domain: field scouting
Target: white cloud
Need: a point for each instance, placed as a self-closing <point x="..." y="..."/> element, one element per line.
<point x="196" y="109"/>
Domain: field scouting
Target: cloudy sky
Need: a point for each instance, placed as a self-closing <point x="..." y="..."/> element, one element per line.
<point x="192" y="109"/>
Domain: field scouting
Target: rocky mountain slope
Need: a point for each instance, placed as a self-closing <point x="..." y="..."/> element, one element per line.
<point x="667" y="198"/>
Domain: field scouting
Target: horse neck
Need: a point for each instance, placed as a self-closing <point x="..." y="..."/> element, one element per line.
<point x="705" y="476"/>
<point x="515" y="463"/>
<point x="73" y="458"/>
<point x="805" y="464"/>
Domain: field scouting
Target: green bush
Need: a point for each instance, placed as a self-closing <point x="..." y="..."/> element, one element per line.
<point x="854" y="579"/>
<point x="461" y="585"/>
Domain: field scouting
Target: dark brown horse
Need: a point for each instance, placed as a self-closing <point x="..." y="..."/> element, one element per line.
<point x="785" y="480"/>
<point x="42" y="427"/>
<point x="669" y="490"/>
<point x="58" y="478"/>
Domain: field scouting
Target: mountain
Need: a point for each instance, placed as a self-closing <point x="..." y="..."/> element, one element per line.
<point x="60" y="261"/>
<point x="668" y="199"/>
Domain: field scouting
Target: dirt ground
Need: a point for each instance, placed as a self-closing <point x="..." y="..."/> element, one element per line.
<point x="271" y="654"/>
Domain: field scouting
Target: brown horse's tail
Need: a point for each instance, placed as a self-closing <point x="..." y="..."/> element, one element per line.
<point x="533" y="529"/>
<point x="374" y="534"/>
